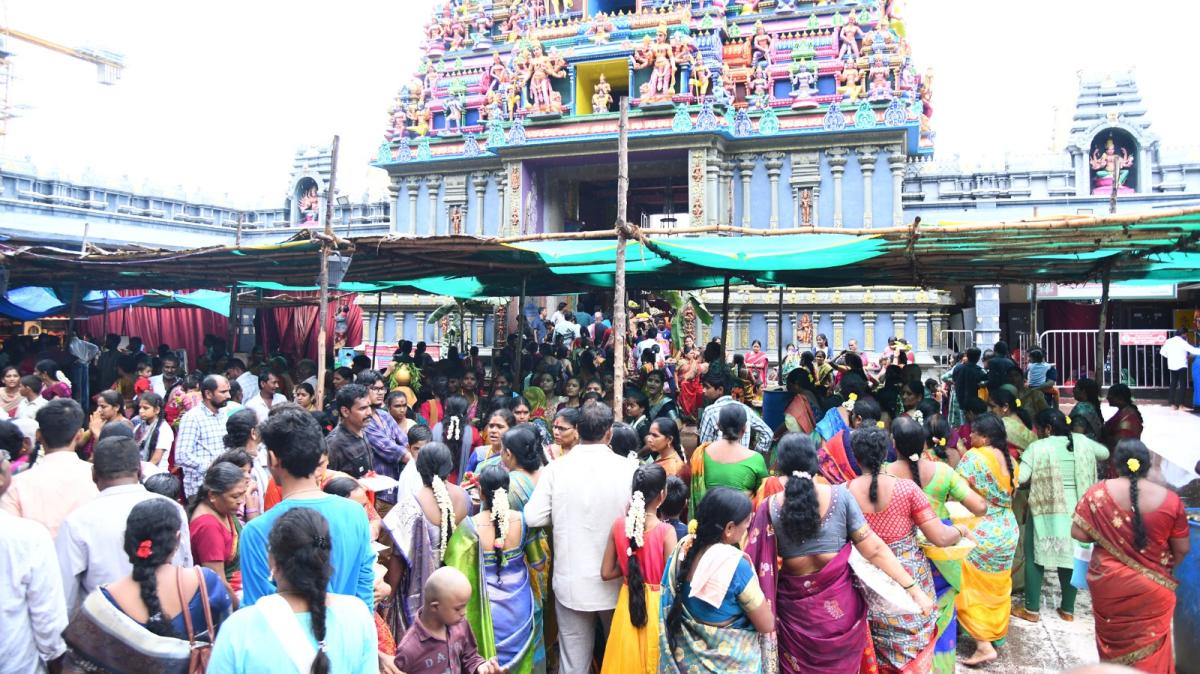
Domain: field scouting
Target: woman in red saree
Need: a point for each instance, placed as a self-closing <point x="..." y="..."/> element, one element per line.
<point x="691" y="391"/>
<point x="1141" y="532"/>
<point x="1126" y="424"/>
<point x="756" y="362"/>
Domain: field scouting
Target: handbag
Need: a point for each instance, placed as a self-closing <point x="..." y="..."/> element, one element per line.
<point x="200" y="651"/>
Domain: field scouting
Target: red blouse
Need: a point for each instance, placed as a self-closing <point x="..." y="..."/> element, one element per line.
<point x="650" y="556"/>
<point x="908" y="508"/>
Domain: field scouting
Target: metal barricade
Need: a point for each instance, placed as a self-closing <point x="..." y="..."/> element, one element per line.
<point x="956" y="342"/>
<point x="1134" y="362"/>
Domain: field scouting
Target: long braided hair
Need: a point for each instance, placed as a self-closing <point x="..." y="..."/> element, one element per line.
<point x="300" y="545"/>
<point x="151" y="536"/>
<point x="493" y="496"/>
<point x="1129" y="451"/>
<point x="937" y="432"/>
<point x="434" y="463"/>
<point x="909" y="437"/>
<point x="649" y="481"/>
<point x="800" y="515"/>
<point x="1055" y="422"/>
<point x="870" y="445"/>
<point x="719" y="507"/>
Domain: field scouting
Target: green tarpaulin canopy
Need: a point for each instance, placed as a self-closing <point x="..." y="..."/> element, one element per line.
<point x="1160" y="246"/>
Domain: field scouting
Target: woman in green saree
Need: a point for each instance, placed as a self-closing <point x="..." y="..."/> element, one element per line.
<point x="489" y="548"/>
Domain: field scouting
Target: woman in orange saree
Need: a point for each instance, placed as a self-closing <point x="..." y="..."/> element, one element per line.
<point x="1141" y="532"/>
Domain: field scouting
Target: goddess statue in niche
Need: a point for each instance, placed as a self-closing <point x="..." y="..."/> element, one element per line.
<point x="661" y="56"/>
<point x="543" y="67"/>
<point x="309" y="203"/>
<point x="1112" y="165"/>
<point x="601" y="95"/>
<point x="804" y="331"/>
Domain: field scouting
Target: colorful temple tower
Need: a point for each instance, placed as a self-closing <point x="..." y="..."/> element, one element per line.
<point x="767" y="114"/>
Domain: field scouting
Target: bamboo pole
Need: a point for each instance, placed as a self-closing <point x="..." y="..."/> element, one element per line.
<point x="233" y="325"/>
<point x="1033" y="326"/>
<point x="378" y="325"/>
<point x="1105" y="279"/>
<point x="323" y="307"/>
<point x="620" y="325"/>
<point x="725" y="314"/>
<point x="520" y="354"/>
<point x="779" y="343"/>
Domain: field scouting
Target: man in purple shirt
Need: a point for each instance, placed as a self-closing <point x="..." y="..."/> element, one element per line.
<point x="440" y="641"/>
<point x="389" y="444"/>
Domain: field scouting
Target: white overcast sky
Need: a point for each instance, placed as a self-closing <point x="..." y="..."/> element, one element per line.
<point x="217" y="96"/>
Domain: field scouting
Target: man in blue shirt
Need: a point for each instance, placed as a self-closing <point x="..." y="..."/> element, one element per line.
<point x="294" y="448"/>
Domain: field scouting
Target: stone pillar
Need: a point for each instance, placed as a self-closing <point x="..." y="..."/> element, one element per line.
<point x="435" y="184"/>
<point x="399" y="327"/>
<point x="698" y="183"/>
<point x="940" y="321"/>
<point x="420" y="327"/>
<point x="501" y="178"/>
<point x="816" y="321"/>
<point x="479" y="181"/>
<point x="869" y="319"/>
<point x="414" y="188"/>
<point x="922" y="344"/>
<point x="712" y="190"/>
<point x="772" y="333"/>
<point x="837" y="166"/>
<point x="774" y="161"/>
<point x="725" y="214"/>
<point x="744" y="329"/>
<point x="896" y="162"/>
<point x="480" y="324"/>
<point x="395" y="186"/>
<point x="746" y="167"/>
<point x="866" y="159"/>
<point x="987" y="316"/>
<point x="838" y="339"/>
<point x="900" y="324"/>
<point x="796" y="206"/>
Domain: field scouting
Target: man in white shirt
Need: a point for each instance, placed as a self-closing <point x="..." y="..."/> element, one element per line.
<point x="60" y="481"/>
<point x="557" y="316"/>
<point x="306" y="373"/>
<point x="235" y="371"/>
<point x="31" y="397"/>
<point x="650" y="342"/>
<point x="267" y="397"/>
<point x="91" y="542"/>
<point x="1176" y="351"/>
<point x="582" y="494"/>
<point x="163" y="383"/>
<point x="32" y="613"/>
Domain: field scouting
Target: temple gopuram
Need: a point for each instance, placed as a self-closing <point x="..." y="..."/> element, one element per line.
<point x="764" y="114"/>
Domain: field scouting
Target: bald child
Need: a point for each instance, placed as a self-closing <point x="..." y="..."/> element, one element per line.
<point x="440" y="640"/>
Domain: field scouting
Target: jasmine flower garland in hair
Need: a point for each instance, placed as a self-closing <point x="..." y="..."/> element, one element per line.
<point x="635" y="519"/>
<point x="850" y="400"/>
<point x="500" y="516"/>
<point x="446" y="508"/>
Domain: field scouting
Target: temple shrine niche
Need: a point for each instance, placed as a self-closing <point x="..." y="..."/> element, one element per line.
<point x="1111" y="160"/>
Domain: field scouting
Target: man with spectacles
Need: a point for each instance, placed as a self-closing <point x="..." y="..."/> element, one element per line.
<point x="389" y="444"/>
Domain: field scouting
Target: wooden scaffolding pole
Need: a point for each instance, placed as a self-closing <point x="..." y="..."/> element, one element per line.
<point x="519" y="356"/>
<point x="1105" y="280"/>
<point x="778" y="343"/>
<point x="323" y="307"/>
<point x="378" y="325"/>
<point x="725" y="315"/>
<point x="620" y="324"/>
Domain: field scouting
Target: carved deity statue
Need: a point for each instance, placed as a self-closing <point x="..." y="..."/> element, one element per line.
<point x="804" y="85"/>
<point x="455" y="106"/>
<point x="600" y="28"/>
<point x="762" y="45"/>
<point x="495" y="74"/>
<point x="543" y="68"/>
<point x="700" y="79"/>
<point x="601" y="95"/>
<point x="660" y="55"/>
<point x="456" y="220"/>
<point x="851" y="81"/>
<point x="880" y="88"/>
<point x="760" y="86"/>
<point x="1112" y="165"/>
<point x="806" y="206"/>
<point x="308" y="205"/>
<point x="804" y="330"/>
<point x="848" y="37"/>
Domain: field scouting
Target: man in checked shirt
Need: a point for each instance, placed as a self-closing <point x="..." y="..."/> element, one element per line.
<point x="716" y="394"/>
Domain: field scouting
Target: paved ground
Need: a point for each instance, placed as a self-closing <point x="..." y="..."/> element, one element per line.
<point x="1052" y="645"/>
<point x="1049" y="645"/>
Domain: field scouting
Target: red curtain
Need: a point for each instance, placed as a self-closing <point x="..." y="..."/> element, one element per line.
<point x="293" y="330"/>
<point x="182" y="328"/>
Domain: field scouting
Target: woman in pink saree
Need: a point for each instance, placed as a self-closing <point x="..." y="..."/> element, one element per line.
<point x="799" y="542"/>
